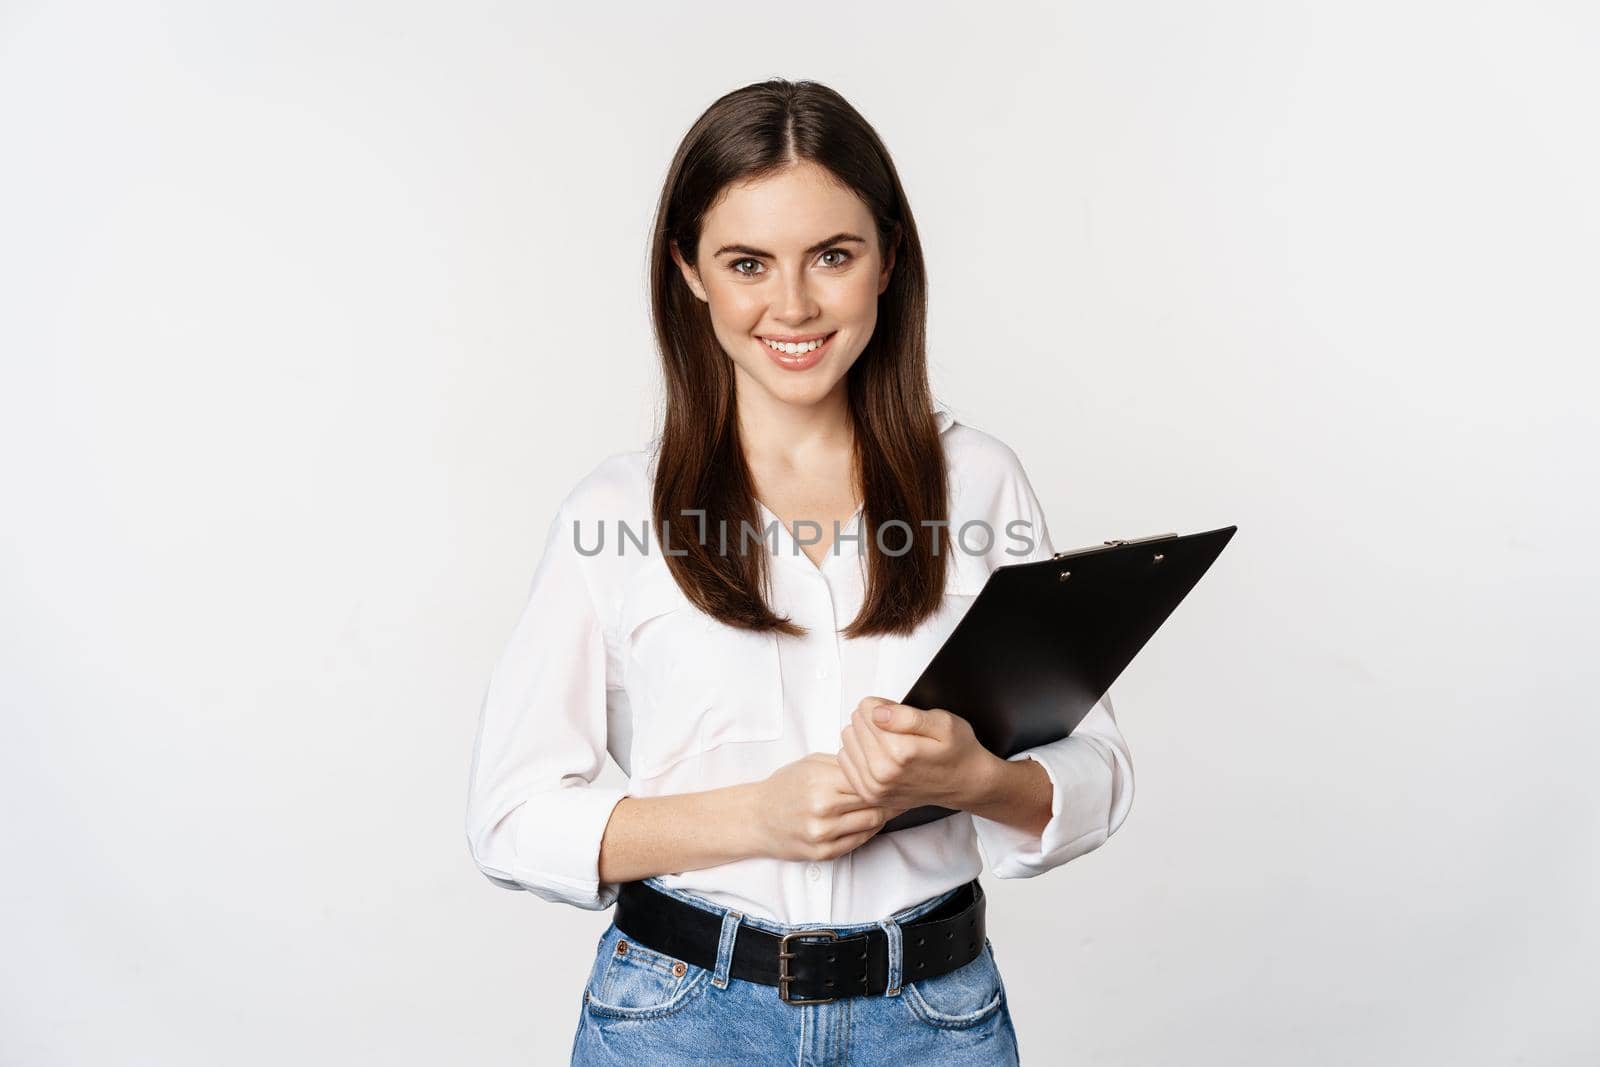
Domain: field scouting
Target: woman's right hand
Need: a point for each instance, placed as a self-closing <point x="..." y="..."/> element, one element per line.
<point x="807" y="810"/>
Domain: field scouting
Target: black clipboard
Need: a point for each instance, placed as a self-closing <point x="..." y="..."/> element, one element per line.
<point x="1043" y="641"/>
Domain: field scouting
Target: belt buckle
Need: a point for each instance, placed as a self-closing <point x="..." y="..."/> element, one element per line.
<point x="784" y="956"/>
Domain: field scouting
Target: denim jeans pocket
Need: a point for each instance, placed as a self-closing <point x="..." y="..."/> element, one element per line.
<point x="958" y="999"/>
<point x="632" y="981"/>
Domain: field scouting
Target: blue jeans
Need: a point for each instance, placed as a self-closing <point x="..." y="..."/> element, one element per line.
<point x="642" y="1007"/>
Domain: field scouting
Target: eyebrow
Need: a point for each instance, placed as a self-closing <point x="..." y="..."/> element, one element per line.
<point x="746" y="250"/>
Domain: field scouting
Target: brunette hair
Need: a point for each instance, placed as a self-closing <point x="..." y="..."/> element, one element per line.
<point x="748" y="134"/>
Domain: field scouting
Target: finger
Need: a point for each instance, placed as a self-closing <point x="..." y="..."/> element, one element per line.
<point x="894" y="748"/>
<point x="905" y="719"/>
<point x="850" y="761"/>
<point x="852" y="801"/>
<point x="837" y="779"/>
<point x="846" y="796"/>
<point x="871" y="701"/>
<point x="863" y="820"/>
<point x="860" y="805"/>
<point x="867" y="706"/>
<point x="856" y="801"/>
<point x="871" y="740"/>
<point x="859" y="741"/>
<point x="838" y="774"/>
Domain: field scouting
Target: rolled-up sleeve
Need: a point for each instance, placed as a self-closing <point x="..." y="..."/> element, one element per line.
<point x="1091" y="770"/>
<point x="534" y="817"/>
<point x="1091" y="790"/>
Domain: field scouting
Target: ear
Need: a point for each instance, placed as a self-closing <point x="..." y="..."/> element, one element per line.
<point x="888" y="259"/>
<point x="690" y="275"/>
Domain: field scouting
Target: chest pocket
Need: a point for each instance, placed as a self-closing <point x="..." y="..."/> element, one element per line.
<point x="694" y="683"/>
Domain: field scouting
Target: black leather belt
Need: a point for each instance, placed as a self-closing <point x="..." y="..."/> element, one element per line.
<point x="807" y="970"/>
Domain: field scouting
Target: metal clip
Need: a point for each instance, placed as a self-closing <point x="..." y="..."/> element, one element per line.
<point x="1115" y="542"/>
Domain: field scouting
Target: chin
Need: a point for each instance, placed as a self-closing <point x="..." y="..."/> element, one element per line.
<point x="802" y="393"/>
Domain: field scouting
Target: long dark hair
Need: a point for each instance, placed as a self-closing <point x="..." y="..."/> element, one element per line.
<point x="748" y="134"/>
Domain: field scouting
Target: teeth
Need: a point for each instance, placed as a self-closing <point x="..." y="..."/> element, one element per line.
<point x="794" y="349"/>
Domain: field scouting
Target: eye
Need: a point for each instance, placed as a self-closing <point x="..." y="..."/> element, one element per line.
<point x="839" y="252"/>
<point x="734" y="266"/>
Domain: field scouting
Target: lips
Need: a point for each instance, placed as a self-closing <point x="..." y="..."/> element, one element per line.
<point x="800" y="361"/>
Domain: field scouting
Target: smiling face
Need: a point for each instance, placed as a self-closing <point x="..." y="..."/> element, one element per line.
<point x="794" y="258"/>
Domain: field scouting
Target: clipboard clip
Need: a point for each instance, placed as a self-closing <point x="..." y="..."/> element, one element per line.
<point x="1117" y="541"/>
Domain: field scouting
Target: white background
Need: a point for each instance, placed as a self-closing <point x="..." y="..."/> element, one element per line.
<point x="311" y="313"/>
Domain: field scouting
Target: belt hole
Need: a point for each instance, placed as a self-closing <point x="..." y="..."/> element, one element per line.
<point x="830" y="957"/>
<point x="920" y="942"/>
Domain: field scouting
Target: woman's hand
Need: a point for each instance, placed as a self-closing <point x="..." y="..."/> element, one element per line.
<point x="806" y="810"/>
<point x="901" y="757"/>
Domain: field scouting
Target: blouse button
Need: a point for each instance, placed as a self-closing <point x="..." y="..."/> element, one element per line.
<point x="813" y="872"/>
<point x="822" y="671"/>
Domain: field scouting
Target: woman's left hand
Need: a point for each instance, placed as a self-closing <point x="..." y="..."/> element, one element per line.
<point x="901" y="757"/>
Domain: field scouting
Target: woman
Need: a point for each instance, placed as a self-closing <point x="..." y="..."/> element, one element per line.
<point x="739" y="660"/>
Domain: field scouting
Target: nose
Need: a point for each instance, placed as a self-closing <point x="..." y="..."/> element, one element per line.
<point x="795" y="304"/>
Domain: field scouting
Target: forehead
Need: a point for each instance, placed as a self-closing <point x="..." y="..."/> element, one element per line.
<point x="785" y="211"/>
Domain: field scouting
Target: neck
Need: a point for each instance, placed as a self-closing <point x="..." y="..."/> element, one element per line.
<point x="793" y="435"/>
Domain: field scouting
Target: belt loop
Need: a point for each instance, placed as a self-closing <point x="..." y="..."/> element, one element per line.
<point x="896" y="956"/>
<point x="730" y="929"/>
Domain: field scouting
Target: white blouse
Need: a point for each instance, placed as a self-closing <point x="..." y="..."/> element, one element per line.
<point x="609" y="656"/>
